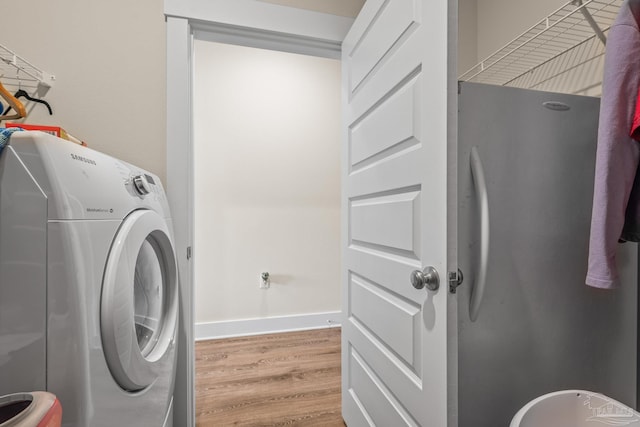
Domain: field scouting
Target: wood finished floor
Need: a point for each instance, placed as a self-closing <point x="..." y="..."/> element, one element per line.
<point x="287" y="379"/>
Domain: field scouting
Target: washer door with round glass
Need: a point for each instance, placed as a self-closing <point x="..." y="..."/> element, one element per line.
<point x="138" y="313"/>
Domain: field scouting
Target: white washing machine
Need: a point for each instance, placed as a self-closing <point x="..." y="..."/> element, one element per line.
<point x="88" y="283"/>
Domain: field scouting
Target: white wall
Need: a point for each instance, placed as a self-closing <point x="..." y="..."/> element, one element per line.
<point x="500" y="21"/>
<point x="109" y="63"/>
<point x="467" y="35"/>
<point x="484" y="26"/>
<point x="267" y="182"/>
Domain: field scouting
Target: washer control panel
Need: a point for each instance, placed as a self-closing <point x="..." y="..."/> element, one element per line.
<point x="81" y="183"/>
<point x="142" y="184"/>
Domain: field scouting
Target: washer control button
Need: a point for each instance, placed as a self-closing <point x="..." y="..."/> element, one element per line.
<point x="141" y="185"/>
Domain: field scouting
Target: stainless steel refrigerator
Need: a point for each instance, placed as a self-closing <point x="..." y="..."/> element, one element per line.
<point x="527" y="323"/>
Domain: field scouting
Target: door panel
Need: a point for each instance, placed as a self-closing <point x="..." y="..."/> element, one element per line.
<point x="381" y="405"/>
<point x="395" y="193"/>
<point x="398" y="331"/>
<point x="370" y="216"/>
<point x="392" y="20"/>
<point x="371" y="138"/>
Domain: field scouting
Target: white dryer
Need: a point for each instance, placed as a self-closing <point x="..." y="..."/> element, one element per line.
<point x="88" y="283"/>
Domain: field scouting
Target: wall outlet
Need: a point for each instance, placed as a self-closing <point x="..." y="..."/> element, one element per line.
<point x="265" y="280"/>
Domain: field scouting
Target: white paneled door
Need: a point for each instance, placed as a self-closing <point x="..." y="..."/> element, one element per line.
<point x="395" y="99"/>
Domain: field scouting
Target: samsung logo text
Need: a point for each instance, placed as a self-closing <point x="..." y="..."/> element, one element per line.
<point x="83" y="159"/>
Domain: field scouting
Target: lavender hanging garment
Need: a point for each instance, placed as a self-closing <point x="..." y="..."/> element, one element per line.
<point x="616" y="202"/>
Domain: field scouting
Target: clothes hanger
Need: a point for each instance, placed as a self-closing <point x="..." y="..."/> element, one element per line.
<point x="21" y="93"/>
<point x="13" y="103"/>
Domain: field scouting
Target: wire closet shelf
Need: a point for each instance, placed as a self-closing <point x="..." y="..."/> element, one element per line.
<point x="564" y="52"/>
<point x="17" y="71"/>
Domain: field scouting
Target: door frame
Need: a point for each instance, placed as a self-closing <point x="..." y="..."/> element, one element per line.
<point x="244" y="22"/>
<point x="273" y="27"/>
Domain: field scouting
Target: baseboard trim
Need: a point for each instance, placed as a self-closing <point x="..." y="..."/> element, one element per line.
<point x="268" y="325"/>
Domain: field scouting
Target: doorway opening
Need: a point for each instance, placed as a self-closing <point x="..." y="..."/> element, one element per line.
<point x="267" y="233"/>
<point x="266" y="190"/>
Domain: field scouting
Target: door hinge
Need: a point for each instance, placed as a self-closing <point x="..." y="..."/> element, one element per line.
<point x="455" y="280"/>
<point x="189" y="252"/>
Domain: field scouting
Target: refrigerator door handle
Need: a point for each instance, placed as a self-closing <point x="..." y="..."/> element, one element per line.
<point x="480" y="282"/>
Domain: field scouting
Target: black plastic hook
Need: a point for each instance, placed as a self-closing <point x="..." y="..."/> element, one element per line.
<point x="22" y="93"/>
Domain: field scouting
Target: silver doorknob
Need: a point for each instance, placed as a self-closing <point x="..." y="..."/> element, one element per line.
<point x="428" y="277"/>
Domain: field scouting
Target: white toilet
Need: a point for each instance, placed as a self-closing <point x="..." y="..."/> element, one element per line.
<point x="575" y="408"/>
